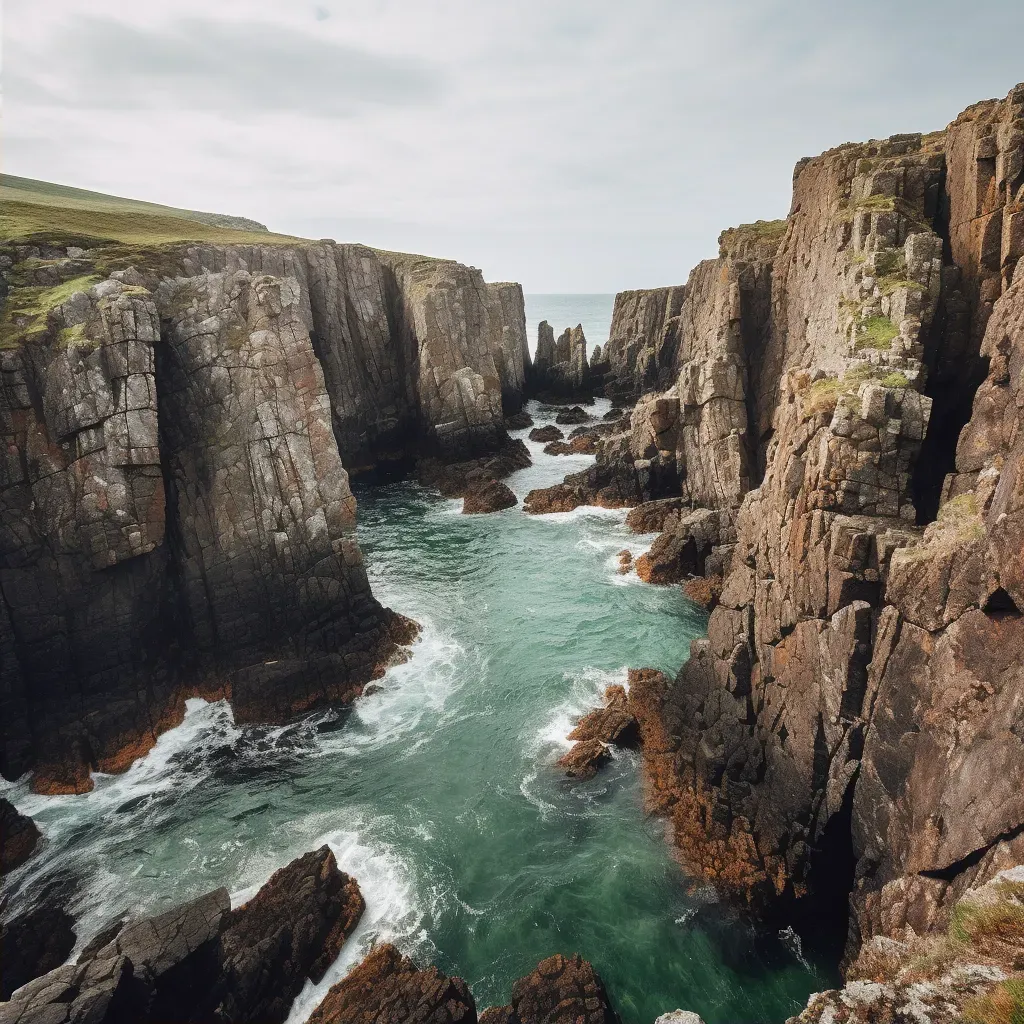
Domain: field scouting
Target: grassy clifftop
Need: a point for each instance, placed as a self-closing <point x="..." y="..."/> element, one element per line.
<point x="33" y="210"/>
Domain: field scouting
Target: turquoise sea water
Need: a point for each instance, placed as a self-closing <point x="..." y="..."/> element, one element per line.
<point x="593" y="312"/>
<point x="438" y="792"/>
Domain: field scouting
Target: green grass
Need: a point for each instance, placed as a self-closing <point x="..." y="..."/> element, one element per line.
<point x="1003" y="1005"/>
<point x="26" y="313"/>
<point x="764" y="235"/>
<point x="823" y="395"/>
<point x="49" y="194"/>
<point x="876" y="203"/>
<point x="876" y="332"/>
<point x="40" y="211"/>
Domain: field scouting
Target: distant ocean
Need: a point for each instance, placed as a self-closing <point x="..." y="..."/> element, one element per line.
<point x="594" y="312"/>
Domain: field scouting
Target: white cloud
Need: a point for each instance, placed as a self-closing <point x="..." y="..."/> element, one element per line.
<point x="577" y="145"/>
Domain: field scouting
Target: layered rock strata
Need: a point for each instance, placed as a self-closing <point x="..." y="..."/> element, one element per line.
<point x="175" y="510"/>
<point x="843" y="736"/>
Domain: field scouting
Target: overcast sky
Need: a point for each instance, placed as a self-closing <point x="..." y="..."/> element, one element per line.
<point x="572" y="145"/>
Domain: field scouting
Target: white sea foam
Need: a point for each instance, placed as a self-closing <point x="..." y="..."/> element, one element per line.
<point x="151" y="774"/>
<point x="392" y="911"/>
<point x="586" y="692"/>
<point x="407" y="693"/>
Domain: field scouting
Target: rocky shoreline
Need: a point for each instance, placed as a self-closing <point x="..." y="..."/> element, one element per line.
<point x="839" y="443"/>
<point x="826" y="438"/>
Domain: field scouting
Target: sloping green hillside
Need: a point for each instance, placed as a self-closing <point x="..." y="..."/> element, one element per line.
<point x="30" y="208"/>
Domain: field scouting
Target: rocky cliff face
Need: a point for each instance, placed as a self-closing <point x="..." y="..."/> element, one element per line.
<point x="176" y="512"/>
<point x="560" y="369"/>
<point x="845" y="730"/>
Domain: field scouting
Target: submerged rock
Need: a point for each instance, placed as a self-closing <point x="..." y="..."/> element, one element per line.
<point x="388" y="988"/>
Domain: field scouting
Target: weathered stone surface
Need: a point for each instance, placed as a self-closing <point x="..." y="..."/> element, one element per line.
<point x="388" y="988"/>
<point x="203" y="961"/>
<point x="548" y="433"/>
<point x="585" y="759"/>
<point x="858" y="672"/>
<point x="641" y="341"/>
<point x="560" y="368"/>
<point x="679" y="1017"/>
<point x="488" y="496"/>
<point x="18" y="837"/>
<point x="683" y="547"/>
<point x="562" y="990"/>
<point x="291" y="930"/>
<point x="276" y="369"/>
<point x="970" y="972"/>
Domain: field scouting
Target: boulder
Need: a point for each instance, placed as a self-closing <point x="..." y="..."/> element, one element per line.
<point x="291" y="930"/>
<point x="548" y="433"/>
<point x="454" y="479"/>
<point x="650" y="516"/>
<point x="203" y="961"/>
<point x="625" y="562"/>
<point x="488" y="496"/>
<point x="562" y="990"/>
<point x="570" y="416"/>
<point x="518" y="421"/>
<point x="388" y="988"/>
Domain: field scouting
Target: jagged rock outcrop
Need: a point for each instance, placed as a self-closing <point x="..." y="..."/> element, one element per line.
<point x="560" y="368"/>
<point x="388" y="988"/>
<point x="176" y="514"/>
<point x="488" y="496"/>
<point x="204" y="961"/>
<point x="641" y="348"/>
<point x="562" y="990"/>
<point x="846" y="723"/>
<point x="18" y="837"/>
<point x="970" y="972"/>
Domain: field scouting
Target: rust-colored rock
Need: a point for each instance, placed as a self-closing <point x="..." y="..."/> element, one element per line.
<point x="388" y="988"/>
<point x="613" y="724"/>
<point x="625" y="562"/>
<point x="584" y="759"/>
<point x="704" y="590"/>
<point x="562" y="990"/>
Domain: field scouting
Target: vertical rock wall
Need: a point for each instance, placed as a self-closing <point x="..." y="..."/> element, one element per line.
<point x="176" y="514"/>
